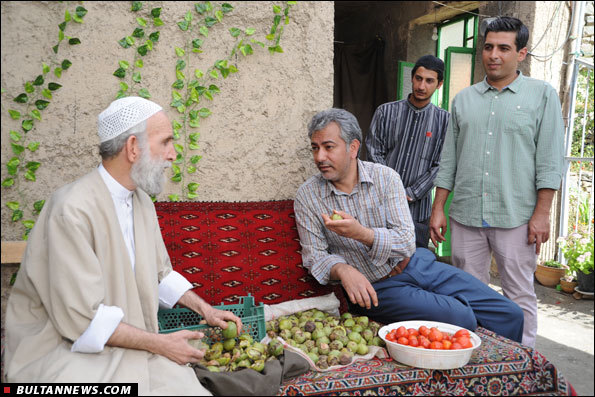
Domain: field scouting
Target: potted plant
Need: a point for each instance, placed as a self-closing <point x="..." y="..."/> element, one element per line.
<point x="578" y="252"/>
<point x="568" y="281"/>
<point x="549" y="273"/>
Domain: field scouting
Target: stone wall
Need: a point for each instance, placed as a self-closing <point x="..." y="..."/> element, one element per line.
<point x="254" y="146"/>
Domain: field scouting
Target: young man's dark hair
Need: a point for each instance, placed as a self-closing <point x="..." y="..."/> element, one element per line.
<point x="510" y="24"/>
<point x="430" y="62"/>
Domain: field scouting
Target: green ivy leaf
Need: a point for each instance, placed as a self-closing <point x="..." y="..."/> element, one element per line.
<point x="270" y="36"/>
<point x="120" y="72"/>
<point x="144" y="93"/>
<point x="274" y="49"/>
<point x="200" y="8"/>
<point x="195" y="159"/>
<point x="194" y="137"/>
<point x="226" y="7"/>
<point x="124" y="43"/>
<point x="22" y="98"/>
<point x="66" y="16"/>
<point x="136" y="5"/>
<point x="36" y="114"/>
<point x="210" y="21"/>
<point x="192" y="187"/>
<point x="204" y="112"/>
<point x="136" y="77"/>
<point x="30" y="176"/>
<point x="188" y="16"/>
<point x="54" y="86"/>
<point x="157" y="22"/>
<point x="214" y="74"/>
<point x="66" y="64"/>
<point x="250" y="31"/>
<point x="176" y="95"/>
<point x="191" y="169"/>
<point x="194" y="123"/>
<point x="180" y="52"/>
<point x="74" y="40"/>
<point x="138" y="33"/>
<point x="123" y="86"/>
<point x="60" y="35"/>
<point x="58" y="72"/>
<point x="154" y="37"/>
<point x="179" y="149"/>
<point x="180" y="64"/>
<point x="130" y="40"/>
<point x="156" y="12"/>
<point x="178" y="85"/>
<point x="291" y="3"/>
<point x="13" y="205"/>
<point x="233" y="69"/>
<point x="276" y="9"/>
<point x="246" y="50"/>
<point x="29" y="224"/>
<point x="142" y="50"/>
<point x="15" y="136"/>
<point x="55" y="49"/>
<point x="192" y="195"/>
<point x="183" y="25"/>
<point x="46" y="93"/>
<point x="235" y="32"/>
<point x="38" y="80"/>
<point x="17" y="149"/>
<point x="194" y="95"/>
<point x="219" y="15"/>
<point x="62" y="26"/>
<point x="198" y="73"/>
<point x="139" y="63"/>
<point x="208" y="95"/>
<point x="33" y="146"/>
<point x="17" y="215"/>
<point x="204" y="31"/>
<point x="81" y="11"/>
<point x="45" y="68"/>
<point x="196" y="43"/>
<point x="173" y="197"/>
<point x="214" y="89"/>
<point x="27" y="125"/>
<point x="8" y="182"/>
<point x="32" y="165"/>
<point x="124" y="64"/>
<point x="13" y="165"/>
<point x="180" y="75"/>
<point x="41" y="104"/>
<point x="77" y="19"/>
<point x="193" y="146"/>
<point x="14" y="114"/>
<point x="29" y="87"/>
<point x="141" y="21"/>
<point x="176" y="125"/>
<point x="38" y="206"/>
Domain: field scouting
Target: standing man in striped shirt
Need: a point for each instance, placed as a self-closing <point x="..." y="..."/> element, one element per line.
<point x="407" y="135"/>
<point x="370" y="248"/>
<point x="503" y="159"/>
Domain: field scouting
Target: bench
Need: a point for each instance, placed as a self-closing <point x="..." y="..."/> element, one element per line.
<point x="228" y="250"/>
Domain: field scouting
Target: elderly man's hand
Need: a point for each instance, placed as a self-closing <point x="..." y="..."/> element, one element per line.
<point x="219" y="318"/>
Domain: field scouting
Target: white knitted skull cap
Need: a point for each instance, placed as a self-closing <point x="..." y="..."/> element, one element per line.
<point x="123" y="114"/>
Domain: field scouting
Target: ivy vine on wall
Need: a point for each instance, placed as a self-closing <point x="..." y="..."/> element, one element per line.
<point x="28" y="107"/>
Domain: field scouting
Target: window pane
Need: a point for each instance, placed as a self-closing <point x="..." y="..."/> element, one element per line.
<point x="460" y="68"/>
<point x="451" y="36"/>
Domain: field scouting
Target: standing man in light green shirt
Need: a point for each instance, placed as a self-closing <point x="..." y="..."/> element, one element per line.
<point x="503" y="159"/>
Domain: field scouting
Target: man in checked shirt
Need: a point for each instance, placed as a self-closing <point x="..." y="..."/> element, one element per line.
<point x="371" y="250"/>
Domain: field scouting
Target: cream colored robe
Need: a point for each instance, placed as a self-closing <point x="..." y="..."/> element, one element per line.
<point x="75" y="260"/>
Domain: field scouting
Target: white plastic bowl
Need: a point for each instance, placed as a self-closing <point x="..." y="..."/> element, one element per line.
<point x="429" y="358"/>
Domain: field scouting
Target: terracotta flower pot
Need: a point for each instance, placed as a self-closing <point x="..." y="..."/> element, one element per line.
<point x="568" y="286"/>
<point x="548" y="276"/>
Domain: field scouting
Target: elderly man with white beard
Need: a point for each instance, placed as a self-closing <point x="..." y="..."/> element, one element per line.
<point x="84" y="305"/>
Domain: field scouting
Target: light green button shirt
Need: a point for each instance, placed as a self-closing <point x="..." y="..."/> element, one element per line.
<point x="500" y="149"/>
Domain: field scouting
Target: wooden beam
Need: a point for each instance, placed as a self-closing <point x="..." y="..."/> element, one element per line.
<point x="445" y="12"/>
<point x="13" y="251"/>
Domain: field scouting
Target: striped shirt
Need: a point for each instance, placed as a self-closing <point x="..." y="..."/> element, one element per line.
<point x="409" y="140"/>
<point x="501" y="147"/>
<point x="377" y="201"/>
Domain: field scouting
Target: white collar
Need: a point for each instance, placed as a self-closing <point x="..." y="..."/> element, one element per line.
<point x="116" y="189"/>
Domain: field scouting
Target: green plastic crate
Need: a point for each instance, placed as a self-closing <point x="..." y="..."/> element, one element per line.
<point x="177" y="319"/>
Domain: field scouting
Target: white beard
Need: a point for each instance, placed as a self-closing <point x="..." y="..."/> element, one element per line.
<point x="147" y="173"/>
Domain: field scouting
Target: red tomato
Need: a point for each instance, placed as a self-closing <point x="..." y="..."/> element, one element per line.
<point x="446" y="344"/>
<point x="412" y="331"/>
<point x="391" y="337"/>
<point x="445" y="336"/>
<point x="436" y="345"/>
<point x="424" y="342"/>
<point x="413" y="341"/>
<point x="402" y="331"/>
<point x="402" y="340"/>
<point x="425" y="331"/>
<point x="456" y="346"/>
<point x="462" y="332"/>
<point x="435" y="335"/>
<point x="465" y="342"/>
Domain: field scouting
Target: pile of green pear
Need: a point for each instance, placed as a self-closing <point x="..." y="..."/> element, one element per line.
<point x="326" y="339"/>
<point x="237" y="352"/>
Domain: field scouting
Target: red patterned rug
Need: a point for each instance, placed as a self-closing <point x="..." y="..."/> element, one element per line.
<point x="227" y="250"/>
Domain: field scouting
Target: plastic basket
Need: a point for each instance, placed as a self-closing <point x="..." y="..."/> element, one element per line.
<point x="177" y="319"/>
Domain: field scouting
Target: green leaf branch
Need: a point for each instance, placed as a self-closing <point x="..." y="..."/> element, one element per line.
<point x="193" y="86"/>
<point x="27" y="107"/>
<point x="129" y="72"/>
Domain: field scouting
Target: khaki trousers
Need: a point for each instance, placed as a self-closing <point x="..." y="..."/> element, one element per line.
<point x="472" y="248"/>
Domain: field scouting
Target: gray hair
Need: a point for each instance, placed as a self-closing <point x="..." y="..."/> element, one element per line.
<point x="347" y="124"/>
<point x="111" y="148"/>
